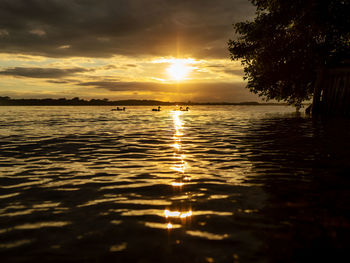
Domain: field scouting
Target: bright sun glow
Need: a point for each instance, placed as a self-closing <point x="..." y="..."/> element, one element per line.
<point x="178" y="70"/>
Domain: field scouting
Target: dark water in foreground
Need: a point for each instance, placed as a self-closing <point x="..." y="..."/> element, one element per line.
<point x="215" y="184"/>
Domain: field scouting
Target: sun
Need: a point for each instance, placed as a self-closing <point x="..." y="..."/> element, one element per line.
<point x="178" y="70"/>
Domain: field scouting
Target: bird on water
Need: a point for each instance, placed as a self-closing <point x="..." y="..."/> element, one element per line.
<point x="158" y="109"/>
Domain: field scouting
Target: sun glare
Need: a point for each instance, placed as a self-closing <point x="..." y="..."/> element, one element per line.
<point x="178" y="70"/>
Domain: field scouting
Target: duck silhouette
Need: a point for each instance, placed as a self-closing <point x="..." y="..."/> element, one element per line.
<point x="119" y="109"/>
<point x="156" y="109"/>
<point x="187" y="108"/>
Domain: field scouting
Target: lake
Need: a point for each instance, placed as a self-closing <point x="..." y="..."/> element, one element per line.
<point x="214" y="184"/>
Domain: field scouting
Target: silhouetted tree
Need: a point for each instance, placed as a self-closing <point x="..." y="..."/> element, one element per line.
<point x="288" y="43"/>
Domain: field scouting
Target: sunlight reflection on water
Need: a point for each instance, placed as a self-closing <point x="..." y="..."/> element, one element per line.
<point x="213" y="183"/>
<point x="181" y="166"/>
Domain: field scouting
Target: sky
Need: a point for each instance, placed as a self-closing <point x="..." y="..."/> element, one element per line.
<point x="169" y="50"/>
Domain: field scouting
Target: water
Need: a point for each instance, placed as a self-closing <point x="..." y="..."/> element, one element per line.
<point x="215" y="184"/>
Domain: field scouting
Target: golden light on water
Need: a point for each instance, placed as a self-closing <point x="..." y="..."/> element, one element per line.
<point x="179" y="166"/>
<point x="178" y="214"/>
<point x="179" y="184"/>
<point x="167" y="225"/>
<point x="178" y="125"/>
<point x="168" y="213"/>
<point x="187" y="214"/>
<point x="177" y="146"/>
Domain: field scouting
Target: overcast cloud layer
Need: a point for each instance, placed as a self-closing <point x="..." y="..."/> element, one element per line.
<point x="91" y="28"/>
<point x="41" y="72"/>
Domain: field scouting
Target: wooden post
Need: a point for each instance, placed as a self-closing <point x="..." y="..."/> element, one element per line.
<point x="316" y="103"/>
<point x="347" y="95"/>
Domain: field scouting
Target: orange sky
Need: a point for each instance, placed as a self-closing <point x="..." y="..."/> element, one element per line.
<point x="166" y="50"/>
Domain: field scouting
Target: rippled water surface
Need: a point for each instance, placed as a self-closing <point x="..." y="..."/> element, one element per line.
<point x="214" y="184"/>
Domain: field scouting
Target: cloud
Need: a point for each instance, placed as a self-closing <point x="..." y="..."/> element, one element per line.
<point x="214" y="91"/>
<point x="36" y="72"/>
<point x="60" y="81"/>
<point x="90" y="28"/>
<point x="235" y="72"/>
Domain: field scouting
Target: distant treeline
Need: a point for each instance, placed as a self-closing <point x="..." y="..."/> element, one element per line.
<point x="7" y="101"/>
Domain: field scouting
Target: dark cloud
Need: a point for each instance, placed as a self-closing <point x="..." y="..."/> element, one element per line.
<point x="61" y="28"/>
<point x="225" y="69"/>
<point x="235" y="72"/>
<point x="233" y="92"/>
<point x="41" y="72"/>
<point x="60" y="81"/>
<point x="126" y="86"/>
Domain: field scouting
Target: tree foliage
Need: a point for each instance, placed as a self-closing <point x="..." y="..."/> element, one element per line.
<point x="288" y="42"/>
